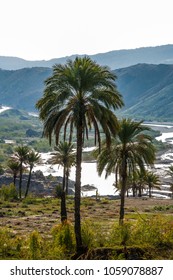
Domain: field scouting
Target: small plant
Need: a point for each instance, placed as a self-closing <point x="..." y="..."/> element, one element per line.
<point x="8" y="192"/>
<point x="35" y="245"/>
<point x="88" y="233"/>
<point x="63" y="235"/>
<point x="1" y="170"/>
<point x="58" y="191"/>
<point x="120" y="235"/>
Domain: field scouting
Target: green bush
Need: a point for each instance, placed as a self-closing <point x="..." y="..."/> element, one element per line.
<point x="63" y="236"/>
<point x="35" y="245"/>
<point x="120" y="235"/>
<point x="1" y="170"/>
<point x="8" y="193"/>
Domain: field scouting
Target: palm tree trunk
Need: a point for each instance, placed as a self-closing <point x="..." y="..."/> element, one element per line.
<point x="134" y="190"/>
<point x="123" y="190"/>
<point x="63" y="199"/>
<point x="78" y="191"/>
<point x="20" y="182"/>
<point x="14" y="179"/>
<point x="66" y="183"/>
<point x="149" y="190"/>
<point x="140" y="191"/>
<point x="28" y="183"/>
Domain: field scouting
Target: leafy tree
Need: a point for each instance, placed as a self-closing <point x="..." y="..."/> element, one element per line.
<point x="79" y="95"/>
<point x="65" y="157"/>
<point x="132" y="148"/>
<point x="32" y="158"/>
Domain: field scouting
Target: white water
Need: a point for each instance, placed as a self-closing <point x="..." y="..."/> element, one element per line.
<point x="90" y="175"/>
<point x="89" y="170"/>
<point x="165" y="137"/>
<point x="4" y="108"/>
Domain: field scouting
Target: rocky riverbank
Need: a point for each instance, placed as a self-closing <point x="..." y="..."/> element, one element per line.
<point x="43" y="185"/>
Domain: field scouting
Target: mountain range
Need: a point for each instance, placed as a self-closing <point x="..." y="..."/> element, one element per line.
<point x="147" y="89"/>
<point x="114" y="59"/>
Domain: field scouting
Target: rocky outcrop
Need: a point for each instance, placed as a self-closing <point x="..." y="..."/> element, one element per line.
<point x="40" y="185"/>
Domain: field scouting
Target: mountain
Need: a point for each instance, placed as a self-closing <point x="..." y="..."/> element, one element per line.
<point x="114" y="59"/>
<point x="147" y="89"/>
<point x="22" y="88"/>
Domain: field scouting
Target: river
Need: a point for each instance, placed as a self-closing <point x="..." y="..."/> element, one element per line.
<point x="105" y="186"/>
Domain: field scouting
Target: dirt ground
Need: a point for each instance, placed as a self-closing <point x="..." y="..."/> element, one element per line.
<point x="23" y="219"/>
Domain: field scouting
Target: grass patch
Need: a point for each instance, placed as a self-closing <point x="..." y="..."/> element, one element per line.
<point x="100" y="230"/>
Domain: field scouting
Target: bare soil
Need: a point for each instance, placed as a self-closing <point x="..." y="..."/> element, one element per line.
<point x="23" y="218"/>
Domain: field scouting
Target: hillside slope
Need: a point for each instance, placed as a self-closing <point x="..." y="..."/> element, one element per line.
<point x="147" y="89"/>
<point x="114" y="59"/>
<point x="22" y="88"/>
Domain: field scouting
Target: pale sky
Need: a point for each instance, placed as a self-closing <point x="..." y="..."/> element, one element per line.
<point x="45" y="29"/>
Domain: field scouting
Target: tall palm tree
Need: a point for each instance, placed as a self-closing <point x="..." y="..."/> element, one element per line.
<point x="66" y="158"/>
<point x="152" y="180"/>
<point x="32" y="158"/>
<point x="132" y="148"/>
<point x="20" y="156"/>
<point x="80" y="95"/>
<point x="14" y="168"/>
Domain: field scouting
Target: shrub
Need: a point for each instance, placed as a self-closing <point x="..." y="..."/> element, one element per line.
<point x="63" y="236"/>
<point x="10" y="245"/>
<point x="58" y="191"/>
<point x="120" y="235"/>
<point x="1" y="170"/>
<point x="8" y="192"/>
<point x="35" y="245"/>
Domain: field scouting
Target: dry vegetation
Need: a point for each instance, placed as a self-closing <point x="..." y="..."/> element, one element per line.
<point x="39" y="220"/>
<point x="42" y="214"/>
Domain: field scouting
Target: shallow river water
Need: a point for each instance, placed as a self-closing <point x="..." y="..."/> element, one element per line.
<point x="89" y="170"/>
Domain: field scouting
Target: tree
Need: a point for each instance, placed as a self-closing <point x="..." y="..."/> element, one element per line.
<point x="170" y="173"/>
<point x="21" y="156"/>
<point x="66" y="158"/>
<point x="132" y="148"/>
<point x="14" y="167"/>
<point x="171" y="189"/>
<point x="79" y="95"/>
<point x="32" y="158"/>
<point x="152" y="181"/>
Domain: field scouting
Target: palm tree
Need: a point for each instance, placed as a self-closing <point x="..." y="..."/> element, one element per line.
<point x="132" y="148"/>
<point x="14" y="168"/>
<point x="66" y="158"/>
<point x="170" y="173"/>
<point x="20" y="156"/>
<point x="80" y="94"/>
<point x="32" y="158"/>
<point x="171" y="189"/>
<point x="152" y="181"/>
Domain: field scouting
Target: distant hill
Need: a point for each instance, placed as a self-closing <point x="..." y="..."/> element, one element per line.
<point x="22" y="88"/>
<point x="147" y="89"/>
<point x="114" y="59"/>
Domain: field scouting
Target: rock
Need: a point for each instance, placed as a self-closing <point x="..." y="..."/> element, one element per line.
<point x="88" y="187"/>
<point x="40" y="185"/>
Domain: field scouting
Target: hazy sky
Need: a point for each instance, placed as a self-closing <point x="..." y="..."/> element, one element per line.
<point x="45" y="29"/>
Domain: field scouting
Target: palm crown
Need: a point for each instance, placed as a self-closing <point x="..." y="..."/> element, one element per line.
<point x="79" y="93"/>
